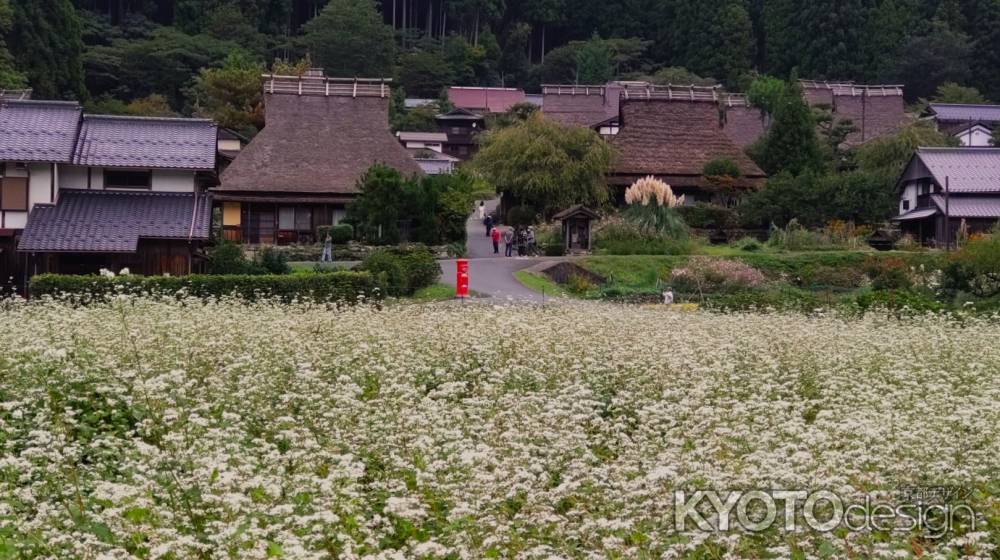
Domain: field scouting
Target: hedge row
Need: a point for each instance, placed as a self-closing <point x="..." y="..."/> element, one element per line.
<point x="343" y="286"/>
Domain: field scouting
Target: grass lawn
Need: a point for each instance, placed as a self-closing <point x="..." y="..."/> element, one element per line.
<point x="435" y="292"/>
<point x="540" y="284"/>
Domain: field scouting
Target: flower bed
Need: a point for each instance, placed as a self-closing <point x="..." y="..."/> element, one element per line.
<point x="165" y="429"/>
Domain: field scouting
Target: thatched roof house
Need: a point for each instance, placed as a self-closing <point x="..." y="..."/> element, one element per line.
<point x="671" y="133"/>
<point x="321" y="135"/>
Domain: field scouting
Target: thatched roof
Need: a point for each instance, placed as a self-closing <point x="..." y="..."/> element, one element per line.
<point x="319" y="142"/>
<point x="674" y="140"/>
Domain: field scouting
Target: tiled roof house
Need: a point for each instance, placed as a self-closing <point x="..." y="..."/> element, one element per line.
<point x="320" y="137"/>
<point x="941" y="188"/>
<point x="972" y="124"/>
<point x="671" y="133"/>
<point x="485" y="99"/>
<point x="65" y="173"/>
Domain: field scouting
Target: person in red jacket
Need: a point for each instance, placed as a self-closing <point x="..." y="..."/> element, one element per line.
<point x="495" y="235"/>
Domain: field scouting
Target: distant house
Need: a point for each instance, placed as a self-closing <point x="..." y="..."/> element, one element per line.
<point x="433" y="162"/>
<point x="743" y="123"/>
<point x="485" y="100"/>
<point x="427" y="148"/>
<point x="320" y="137"/>
<point x="671" y="133"/>
<point x="82" y="192"/>
<point x="423" y="140"/>
<point x="594" y="107"/>
<point x="876" y="110"/>
<point x="230" y="143"/>
<point x="942" y="188"/>
<point x="972" y="124"/>
<point x="462" y="128"/>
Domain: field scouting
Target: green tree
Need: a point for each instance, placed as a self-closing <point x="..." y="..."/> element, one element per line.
<point x="594" y="64"/>
<point x="676" y="75"/>
<point x="950" y="92"/>
<point x="790" y="143"/>
<point x="9" y="76"/>
<point x="425" y="73"/>
<point x="928" y="60"/>
<point x="546" y="165"/>
<point x="231" y="94"/>
<point x="45" y="39"/>
<point x="348" y="38"/>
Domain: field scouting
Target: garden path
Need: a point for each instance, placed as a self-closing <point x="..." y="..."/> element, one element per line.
<point x="491" y="275"/>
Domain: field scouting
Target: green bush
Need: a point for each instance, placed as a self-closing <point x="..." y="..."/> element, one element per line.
<point x="553" y="249"/>
<point x="404" y="269"/>
<point x="339" y="234"/>
<point x="837" y="277"/>
<point x="890" y="273"/>
<point x="703" y="215"/>
<point x="897" y="300"/>
<point x="779" y="299"/>
<point x="975" y="268"/>
<point x="343" y="286"/>
<point x="273" y="262"/>
<point x="748" y="244"/>
<point x="228" y="258"/>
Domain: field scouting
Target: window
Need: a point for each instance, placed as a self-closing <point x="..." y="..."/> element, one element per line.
<point x="14" y="193"/>
<point x="906" y="205"/>
<point x="303" y="219"/>
<point x="286" y="218"/>
<point x="121" y="179"/>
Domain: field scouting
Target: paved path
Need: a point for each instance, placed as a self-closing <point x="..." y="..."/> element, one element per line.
<point x="491" y="275"/>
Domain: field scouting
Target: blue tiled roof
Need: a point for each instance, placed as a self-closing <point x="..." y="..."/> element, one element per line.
<point x="113" y="221"/>
<point x="146" y="142"/>
<point x="38" y="130"/>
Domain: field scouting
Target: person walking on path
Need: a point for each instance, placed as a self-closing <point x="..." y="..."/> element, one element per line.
<point x="508" y="241"/>
<point x="489" y="225"/>
<point x="496" y="240"/>
<point x="482" y="210"/>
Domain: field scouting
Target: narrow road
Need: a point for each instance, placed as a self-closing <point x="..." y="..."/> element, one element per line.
<point x="490" y="275"/>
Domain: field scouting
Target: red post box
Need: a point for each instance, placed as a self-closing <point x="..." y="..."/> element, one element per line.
<point x="462" y="278"/>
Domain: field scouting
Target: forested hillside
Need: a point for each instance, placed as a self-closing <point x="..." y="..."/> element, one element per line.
<point x="146" y="56"/>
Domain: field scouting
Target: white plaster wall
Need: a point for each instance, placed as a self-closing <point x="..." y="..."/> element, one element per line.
<point x="979" y="138"/>
<point x="167" y="180"/>
<point x="15" y="220"/>
<point x="909" y="193"/>
<point x="72" y="177"/>
<point x="39" y="184"/>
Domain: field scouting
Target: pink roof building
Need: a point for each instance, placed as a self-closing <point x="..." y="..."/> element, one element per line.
<point x="485" y="99"/>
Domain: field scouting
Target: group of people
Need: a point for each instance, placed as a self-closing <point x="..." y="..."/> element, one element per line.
<point x="520" y="239"/>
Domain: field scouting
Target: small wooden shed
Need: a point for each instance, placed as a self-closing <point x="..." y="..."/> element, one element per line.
<point x="576" y="226"/>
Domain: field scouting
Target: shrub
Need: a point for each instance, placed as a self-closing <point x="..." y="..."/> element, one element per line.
<point x="404" y="269"/>
<point x="778" y="299"/>
<point x="706" y="275"/>
<point x="228" y="258"/>
<point x="748" y="244"/>
<point x="273" y="262"/>
<point x="839" y="277"/>
<point x="897" y="300"/>
<point x="890" y="273"/>
<point x="339" y="234"/>
<point x="579" y="284"/>
<point x="621" y="237"/>
<point x="708" y="216"/>
<point x="975" y="268"/>
<point x="343" y="286"/>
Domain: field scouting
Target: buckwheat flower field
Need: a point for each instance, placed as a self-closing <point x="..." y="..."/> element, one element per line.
<point x="154" y="429"/>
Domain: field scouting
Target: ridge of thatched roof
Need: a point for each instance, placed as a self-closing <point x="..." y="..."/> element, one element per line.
<point x="317" y="144"/>
<point x="668" y="137"/>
